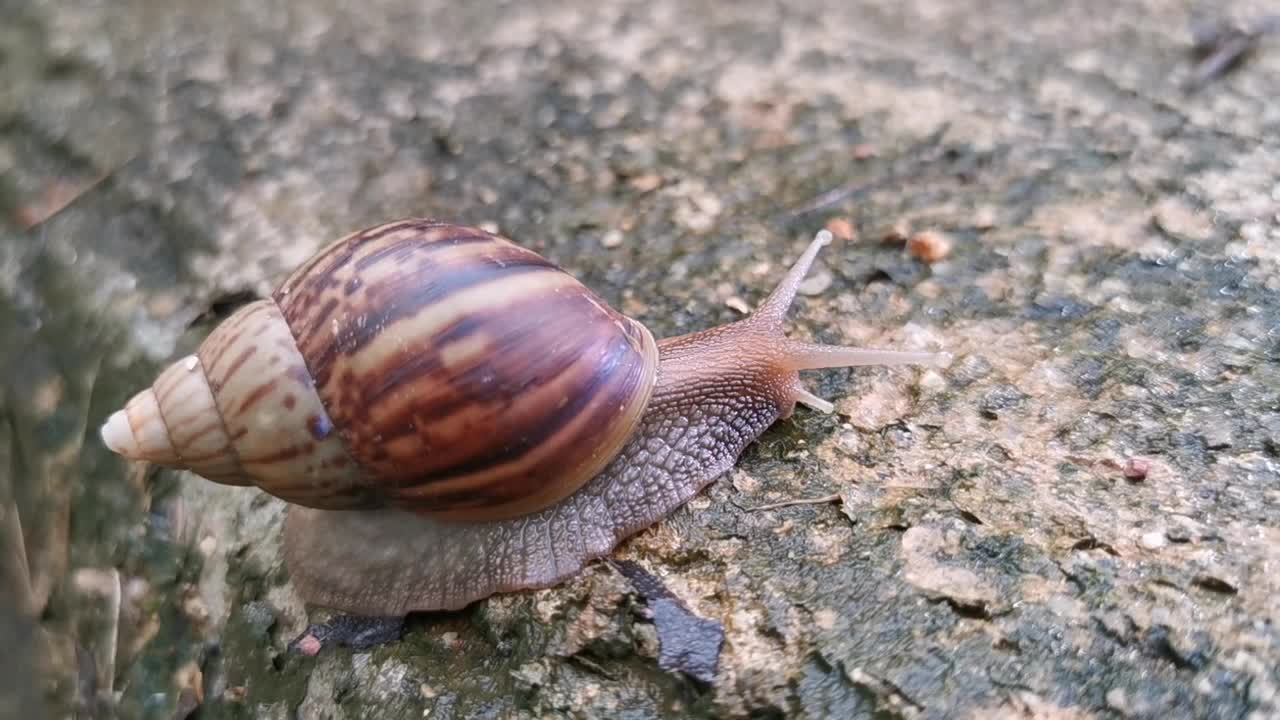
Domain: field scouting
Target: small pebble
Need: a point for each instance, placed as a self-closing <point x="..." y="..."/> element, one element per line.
<point x="984" y="218"/>
<point x="932" y="382"/>
<point x="1136" y="469"/>
<point x="1217" y="437"/>
<point x="646" y="183"/>
<point x="841" y="228"/>
<point x="738" y="304"/>
<point x="929" y="246"/>
<point x="1253" y="232"/>
<point x="47" y="397"/>
<point x="864" y="151"/>
<point x="1153" y="540"/>
<point x="744" y="483"/>
<point x="194" y="608"/>
<point x="258" y="617"/>
<point x="92" y="581"/>
<point x="235" y="694"/>
<point x="190" y="678"/>
<point x="849" y="443"/>
<point x="1175" y="216"/>
<point x="164" y="304"/>
<point x="1182" y="529"/>
<point x="612" y="239"/>
<point x="1117" y="700"/>
<point x="700" y="210"/>
<point x="208" y="545"/>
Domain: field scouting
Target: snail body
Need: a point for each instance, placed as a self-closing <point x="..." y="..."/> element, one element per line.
<point x="449" y="415"/>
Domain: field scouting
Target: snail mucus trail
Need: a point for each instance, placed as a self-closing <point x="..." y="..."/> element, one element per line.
<point x="449" y="415"/>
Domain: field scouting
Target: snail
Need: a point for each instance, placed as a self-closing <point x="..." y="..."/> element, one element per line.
<point x="448" y="415"/>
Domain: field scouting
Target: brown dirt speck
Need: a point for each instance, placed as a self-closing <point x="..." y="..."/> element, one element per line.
<point x="930" y="246"/>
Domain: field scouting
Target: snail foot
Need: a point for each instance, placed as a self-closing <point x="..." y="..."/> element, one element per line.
<point x="357" y="632"/>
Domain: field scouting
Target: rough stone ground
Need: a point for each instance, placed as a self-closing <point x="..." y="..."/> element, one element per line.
<point x="1112" y="294"/>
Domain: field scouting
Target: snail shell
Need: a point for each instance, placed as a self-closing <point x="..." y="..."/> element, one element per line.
<point x="418" y="365"/>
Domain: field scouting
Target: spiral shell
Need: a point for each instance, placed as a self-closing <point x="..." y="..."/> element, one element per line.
<point x="436" y="368"/>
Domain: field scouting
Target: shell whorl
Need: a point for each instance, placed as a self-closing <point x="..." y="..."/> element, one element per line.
<point x="175" y="422"/>
<point x="243" y="411"/>
<point x="431" y="367"/>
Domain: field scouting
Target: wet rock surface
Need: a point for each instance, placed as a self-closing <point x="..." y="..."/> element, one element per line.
<point x="1078" y="518"/>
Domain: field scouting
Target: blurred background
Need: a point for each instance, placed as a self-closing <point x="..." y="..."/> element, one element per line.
<point x="1081" y="200"/>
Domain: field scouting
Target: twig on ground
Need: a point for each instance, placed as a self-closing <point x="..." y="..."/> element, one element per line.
<point x="927" y="152"/>
<point x="1221" y="48"/>
<point x="833" y="497"/>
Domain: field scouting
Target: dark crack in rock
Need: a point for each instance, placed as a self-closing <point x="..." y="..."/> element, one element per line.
<point x="359" y="633"/>
<point x="686" y="643"/>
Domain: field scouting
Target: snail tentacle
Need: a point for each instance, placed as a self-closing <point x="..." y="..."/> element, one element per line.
<point x="773" y="311"/>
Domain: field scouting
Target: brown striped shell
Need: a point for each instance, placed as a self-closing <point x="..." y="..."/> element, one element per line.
<point x="436" y="368"/>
